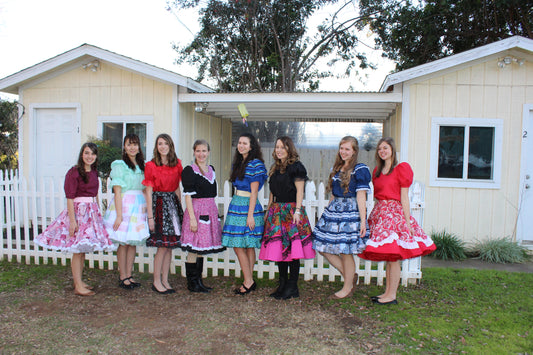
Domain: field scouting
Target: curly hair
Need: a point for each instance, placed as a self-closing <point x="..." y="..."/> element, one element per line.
<point x="238" y="165"/>
<point x="139" y="157"/>
<point x="292" y="157"/>
<point x="346" y="175"/>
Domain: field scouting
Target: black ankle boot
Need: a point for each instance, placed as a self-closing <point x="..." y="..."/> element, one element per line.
<point x="200" y="270"/>
<point x="281" y="287"/>
<point x="290" y="290"/>
<point x="192" y="278"/>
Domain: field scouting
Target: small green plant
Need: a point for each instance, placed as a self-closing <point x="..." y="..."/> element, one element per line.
<point x="449" y="246"/>
<point x="502" y="251"/>
<point x="106" y="155"/>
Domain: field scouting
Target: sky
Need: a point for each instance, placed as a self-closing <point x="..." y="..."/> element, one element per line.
<point x="32" y="31"/>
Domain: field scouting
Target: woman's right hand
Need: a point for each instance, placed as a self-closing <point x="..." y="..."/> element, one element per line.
<point x="193" y="225"/>
<point x="72" y="228"/>
<point x="151" y="224"/>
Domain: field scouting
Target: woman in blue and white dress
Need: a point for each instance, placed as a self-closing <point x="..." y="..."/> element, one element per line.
<point x="244" y="224"/>
<point x="125" y="219"/>
<point x="342" y="230"/>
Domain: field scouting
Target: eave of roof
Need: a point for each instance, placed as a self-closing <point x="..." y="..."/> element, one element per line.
<point x="457" y="59"/>
<point x="11" y="83"/>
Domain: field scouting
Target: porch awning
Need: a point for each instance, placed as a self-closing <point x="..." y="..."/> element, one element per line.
<point x="324" y="106"/>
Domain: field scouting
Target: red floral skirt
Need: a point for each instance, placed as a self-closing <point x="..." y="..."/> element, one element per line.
<point x="390" y="238"/>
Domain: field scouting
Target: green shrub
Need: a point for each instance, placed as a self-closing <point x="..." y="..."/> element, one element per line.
<point x="106" y="155"/>
<point x="502" y="251"/>
<point x="449" y="246"/>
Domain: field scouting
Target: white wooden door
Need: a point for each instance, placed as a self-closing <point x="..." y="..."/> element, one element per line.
<point x="57" y="141"/>
<point x="525" y="212"/>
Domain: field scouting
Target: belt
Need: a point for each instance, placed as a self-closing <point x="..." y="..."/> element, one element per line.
<point x="84" y="199"/>
<point x="243" y="193"/>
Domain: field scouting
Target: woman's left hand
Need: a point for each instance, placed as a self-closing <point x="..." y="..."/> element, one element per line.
<point x="362" y="230"/>
<point x="296" y="218"/>
<point x="250" y="222"/>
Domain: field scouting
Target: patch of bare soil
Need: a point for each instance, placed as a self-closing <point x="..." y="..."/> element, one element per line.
<point x="47" y="317"/>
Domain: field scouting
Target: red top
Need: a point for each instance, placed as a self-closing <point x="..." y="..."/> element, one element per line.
<point x="162" y="178"/>
<point x="388" y="187"/>
<point x="76" y="187"/>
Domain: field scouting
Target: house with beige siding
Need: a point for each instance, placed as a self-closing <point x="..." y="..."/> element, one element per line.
<point x="464" y="123"/>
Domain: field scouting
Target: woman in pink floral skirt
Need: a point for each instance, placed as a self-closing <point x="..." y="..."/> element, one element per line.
<point x="79" y="229"/>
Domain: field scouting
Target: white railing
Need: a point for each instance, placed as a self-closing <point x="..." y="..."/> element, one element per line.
<point x="28" y="206"/>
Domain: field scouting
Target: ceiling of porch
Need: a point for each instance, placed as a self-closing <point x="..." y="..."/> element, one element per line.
<point x="328" y="106"/>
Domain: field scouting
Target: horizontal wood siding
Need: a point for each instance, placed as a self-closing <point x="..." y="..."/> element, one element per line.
<point x="110" y="91"/>
<point x="480" y="91"/>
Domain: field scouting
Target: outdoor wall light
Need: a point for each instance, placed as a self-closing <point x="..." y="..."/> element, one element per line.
<point x="200" y="106"/>
<point x="92" y="66"/>
<point x="502" y="62"/>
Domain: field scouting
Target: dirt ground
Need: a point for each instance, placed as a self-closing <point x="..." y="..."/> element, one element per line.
<point x="140" y="321"/>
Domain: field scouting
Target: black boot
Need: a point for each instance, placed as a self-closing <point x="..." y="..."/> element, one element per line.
<point x="200" y="270"/>
<point x="281" y="287"/>
<point x="283" y="270"/>
<point x="192" y="278"/>
<point x="290" y="290"/>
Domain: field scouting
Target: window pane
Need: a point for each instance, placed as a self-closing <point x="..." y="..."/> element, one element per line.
<point x="480" y="153"/>
<point x="140" y="130"/>
<point x="451" y="152"/>
<point x="113" y="134"/>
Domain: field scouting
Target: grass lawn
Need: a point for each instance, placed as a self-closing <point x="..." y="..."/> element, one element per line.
<point x="451" y="311"/>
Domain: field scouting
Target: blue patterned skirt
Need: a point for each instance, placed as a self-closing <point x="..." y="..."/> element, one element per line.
<point x="236" y="233"/>
<point x="337" y="230"/>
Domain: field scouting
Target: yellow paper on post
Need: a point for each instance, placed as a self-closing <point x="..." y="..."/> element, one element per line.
<point x="243" y="110"/>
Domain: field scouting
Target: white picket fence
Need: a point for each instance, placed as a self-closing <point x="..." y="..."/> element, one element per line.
<point x="27" y="206"/>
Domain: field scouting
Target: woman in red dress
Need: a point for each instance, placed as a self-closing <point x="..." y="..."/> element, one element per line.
<point x="394" y="233"/>
<point x="162" y="176"/>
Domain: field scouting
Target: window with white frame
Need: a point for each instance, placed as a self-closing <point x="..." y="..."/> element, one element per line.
<point x="466" y="152"/>
<point x="115" y="128"/>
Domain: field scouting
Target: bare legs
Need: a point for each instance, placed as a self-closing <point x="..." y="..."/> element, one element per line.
<point x="392" y="281"/>
<point x="126" y="258"/>
<point x="246" y="258"/>
<point x="76" y="264"/>
<point x="162" y="260"/>
<point x="346" y="266"/>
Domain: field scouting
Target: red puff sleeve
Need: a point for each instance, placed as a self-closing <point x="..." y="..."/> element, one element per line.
<point x="149" y="174"/>
<point x="405" y="174"/>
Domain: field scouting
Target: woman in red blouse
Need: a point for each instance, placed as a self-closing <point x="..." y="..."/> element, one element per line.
<point x="394" y="233"/>
<point x="162" y="176"/>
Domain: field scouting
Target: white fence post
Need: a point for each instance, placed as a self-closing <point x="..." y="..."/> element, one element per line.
<point x="28" y="206"/>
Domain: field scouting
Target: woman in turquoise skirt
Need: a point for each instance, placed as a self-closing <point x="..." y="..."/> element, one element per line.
<point x="244" y="223"/>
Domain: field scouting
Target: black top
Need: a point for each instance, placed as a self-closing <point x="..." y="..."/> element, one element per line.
<point x="198" y="185"/>
<point x="282" y="185"/>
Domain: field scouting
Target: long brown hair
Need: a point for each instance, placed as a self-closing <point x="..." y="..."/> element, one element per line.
<point x="380" y="163"/>
<point x="81" y="165"/>
<point x="291" y="158"/>
<point x="238" y="166"/>
<point x="196" y="144"/>
<point x="339" y="163"/>
<point x="139" y="157"/>
<point x="171" y="157"/>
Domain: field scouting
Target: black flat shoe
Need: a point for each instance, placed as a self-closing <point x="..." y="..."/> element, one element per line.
<point x="170" y="290"/>
<point x="246" y="290"/>
<point x="253" y="287"/>
<point x="134" y="283"/>
<point x="374" y="298"/>
<point x="385" y="303"/>
<point x="160" y="292"/>
<point x="129" y="286"/>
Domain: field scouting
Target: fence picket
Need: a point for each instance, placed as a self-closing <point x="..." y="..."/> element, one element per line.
<point x="25" y="203"/>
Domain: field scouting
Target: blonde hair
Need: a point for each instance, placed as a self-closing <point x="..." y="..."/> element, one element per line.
<point x="339" y="163"/>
